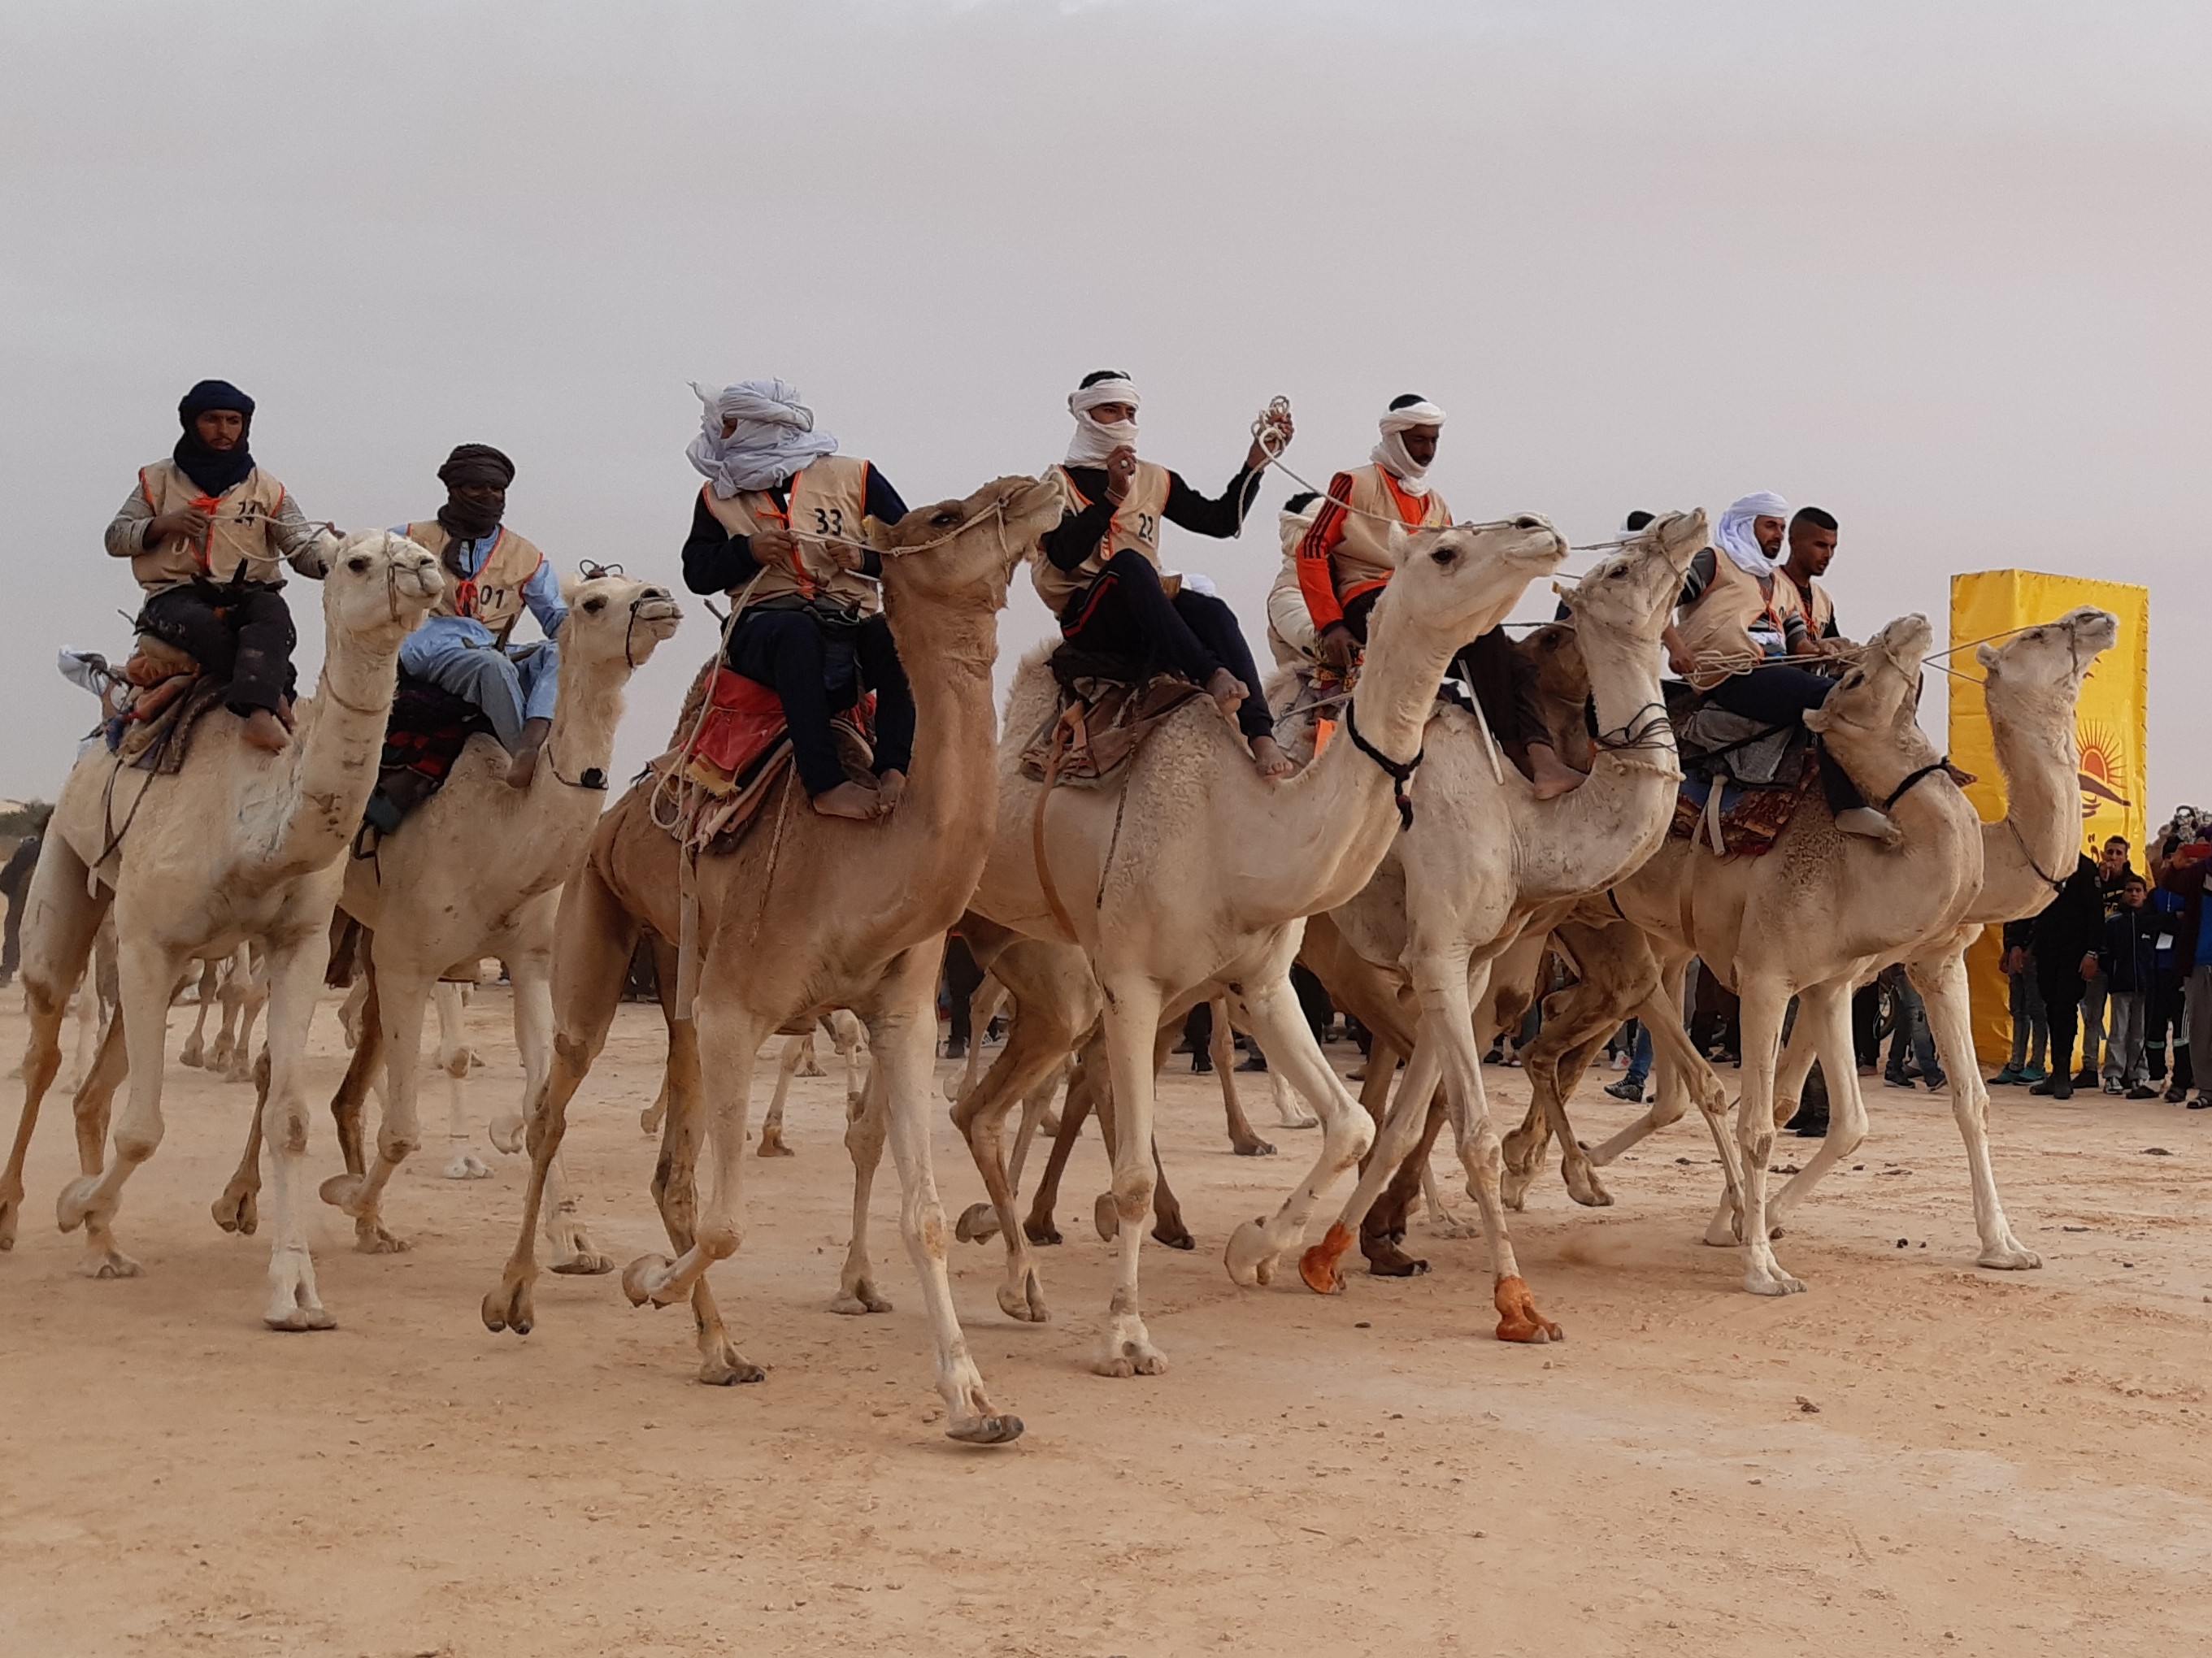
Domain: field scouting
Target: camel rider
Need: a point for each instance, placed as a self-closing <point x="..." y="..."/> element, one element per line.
<point x="1099" y="573"/>
<point x="1345" y="561"/>
<point x="492" y="574"/>
<point x="1738" y="607"/>
<point x="809" y="619"/>
<point x="205" y="530"/>
<point x="1811" y="540"/>
<point x="1290" y="635"/>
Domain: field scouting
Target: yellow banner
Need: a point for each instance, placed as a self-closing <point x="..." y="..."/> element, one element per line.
<point x="2112" y="728"/>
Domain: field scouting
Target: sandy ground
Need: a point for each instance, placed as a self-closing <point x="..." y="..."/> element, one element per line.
<point x="2003" y="1464"/>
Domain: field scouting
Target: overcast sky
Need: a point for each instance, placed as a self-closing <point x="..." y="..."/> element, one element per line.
<point x="1939" y="268"/>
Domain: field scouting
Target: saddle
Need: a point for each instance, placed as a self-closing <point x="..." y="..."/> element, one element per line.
<point x="736" y="755"/>
<point x="423" y="735"/>
<point x="163" y="696"/>
<point x="1108" y="706"/>
<point x="1742" y="781"/>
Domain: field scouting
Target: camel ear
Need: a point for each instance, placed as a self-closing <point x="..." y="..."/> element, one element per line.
<point x="1398" y="543"/>
<point x="876" y="533"/>
<point x="1817" y="720"/>
<point x="1986" y="655"/>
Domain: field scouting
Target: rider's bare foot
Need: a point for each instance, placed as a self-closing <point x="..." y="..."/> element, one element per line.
<point x="524" y="766"/>
<point x="1226" y="689"/>
<point x="848" y="800"/>
<point x="1553" y="777"/>
<point x="264" y="731"/>
<point x="1268" y="755"/>
<point x="889" y="785"/>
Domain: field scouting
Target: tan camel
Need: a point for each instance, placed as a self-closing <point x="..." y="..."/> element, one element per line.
<point x="849" y="1038"/>
<point x="810" y="913"/>
<point x="240" y="845"/>
<point x="2032" y="687"/>
<point x="1486" y="863"/>
<point x="1189" y="869"/>
<point x="1812" y="918"/>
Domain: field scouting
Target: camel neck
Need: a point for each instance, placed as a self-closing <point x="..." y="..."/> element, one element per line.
<point x="339" y="745"/>
<point x="587" y="714"/>
<point x="2036" y="752"/>
<point x="948" y="654"/>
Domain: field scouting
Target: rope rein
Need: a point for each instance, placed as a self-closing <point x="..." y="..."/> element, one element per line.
<point x="1399" y="772"/>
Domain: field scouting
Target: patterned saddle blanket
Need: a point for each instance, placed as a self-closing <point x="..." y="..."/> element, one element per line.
<point x="1108" y="706"/>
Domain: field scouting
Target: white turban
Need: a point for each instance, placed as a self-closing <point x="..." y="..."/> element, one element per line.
<point x="1094" y="441"/>
<point x="1734" y="537"/>
<point x="774" y="436"/>
<point x="1390" y="454"/>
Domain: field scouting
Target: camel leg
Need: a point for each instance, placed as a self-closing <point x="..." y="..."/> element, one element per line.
<point x="1083" y="1070"/>
<point x="593" y="940"/>
<point x="1222" y="1046"/>
<point x="796" y="1051"/>
<point x="1035" y="1046"/>
<point x="295" y="981"/>
<point x="403" y="995"/>
<point x="1385" y="1225"/>
<point x="1763" y="1004"/>
<point x="1291" y="1111"/>
<point x="61" y="922"/>
<point x="230" y="994"/>
<point x="569" y="1245"/>
<point x="676" y="1191"/>
<point x="239" y="1208"/>
<point x="1942" y="984"/>
<point x="461" y="1163"/>
<point x="1347" y="1133"/>
<point x="1818" y="1011"/>
<point x="1132" y="1027"/>
<point x="867" y="1124"/>
<point x="254" y="999"/>
<point x="902" y="1041"/>
<point x="348" y="1105"/>
<point x="1404" y="1123"/>
<point x="146" y="972"/>
<point x="194" y="1051"/>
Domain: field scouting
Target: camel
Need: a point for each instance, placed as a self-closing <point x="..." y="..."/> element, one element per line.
<point x="1486" y="863"/>
<point x="1811" y="919"/>
<point x="848" y="1037"/>
<point x="476" y="872"/>
<point x="809" y="913"/>
<point x="241" y="845"/>
<point x="2032" y="685"/>
<point x="1187" y="868"/>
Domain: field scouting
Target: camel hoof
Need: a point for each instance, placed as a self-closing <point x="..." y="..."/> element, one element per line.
<point x="75" y="1202"/>
<point x="987" y="1431"/>
<point x="2010" y="1258"/>
<point x="467" y="1166"/>
<point x="772" y="1146"/>
<point x="1517" y="1317"/>
<point x="978" y="1224"/>
<point x="370" y="1238"/>
<point x="298" y="1319"/>
<point x="342" y="1191"/>
<point x="1318" y="1265"/>
<point x="1026" y="1303"/>
<point x="637" y="1278"/>
<point x="1254" y="1148"/>
<point x="1043" y="1234"/>
<point x="1588" y="1191"/>
<point x="238" y="1209"/>
<point x="584" y="1263"/>
<point x="860" y="1299"/>
<point x="191" y="1056"/>
<point x="1132" y="1358"/>
<point x="1385" y="1260"/>
<point x="508" y="1308"/>
<point x="1106" y="1217"/>
<point x="506" y="1132"/>
<point x="730" y="1368"/>
<point x="648" y="1121"/>
<point x="1251" y="1255"/>
<point x="107" y="1263"/>
<point x="10" y="1207"/>
<point x="1763" y="1280"/>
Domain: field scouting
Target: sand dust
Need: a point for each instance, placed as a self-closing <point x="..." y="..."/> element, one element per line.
<point x="1998" y="1463"/>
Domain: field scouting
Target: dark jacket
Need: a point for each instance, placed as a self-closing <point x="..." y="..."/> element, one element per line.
<point x="2072" y="924"/>
<point x="2126" y="954"/>
<point x="2186" y="882"/>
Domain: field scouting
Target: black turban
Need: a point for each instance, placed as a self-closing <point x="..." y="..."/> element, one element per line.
<point x="213" y="469"/>
<point x="476" y="463"/>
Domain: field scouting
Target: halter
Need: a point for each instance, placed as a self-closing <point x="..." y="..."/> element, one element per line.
<point x="1929" y="770"/>
<point x="1399" y="772"/>
<point x="2049" y="880"/>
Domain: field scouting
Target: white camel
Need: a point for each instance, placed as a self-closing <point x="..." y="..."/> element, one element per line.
<point x="240" y="845"/>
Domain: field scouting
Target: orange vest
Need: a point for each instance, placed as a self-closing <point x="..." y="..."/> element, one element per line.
<point x="1135" y="524"/>
<point x="828" y="497"/>
<point x="493" y="595"/>
<point x="242" y="532"/>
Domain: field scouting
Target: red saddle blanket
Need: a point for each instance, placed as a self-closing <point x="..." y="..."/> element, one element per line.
<point x="739" y="755"/>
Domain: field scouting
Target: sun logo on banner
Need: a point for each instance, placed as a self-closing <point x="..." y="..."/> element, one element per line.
<point x="2104" y="768"/>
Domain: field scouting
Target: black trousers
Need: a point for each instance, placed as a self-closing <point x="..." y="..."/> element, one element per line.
<point x="2060" y="981"/>
<point x="1777" y="696"/>
<point x="2168" y="1019"/>
<point x="789" y="650"/>
<point x="1127" y="612"/>
<point x="962" y="979"/>
<point x="240" y="631"/>
<point x="1504" y="680"/>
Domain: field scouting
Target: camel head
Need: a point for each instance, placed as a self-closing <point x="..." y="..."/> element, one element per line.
<point x="1561" y="674"/>
<point x="1633" y="592"/>
<point x="613" y="619"/>
<point x="377" y="585"/>
<point x="1878" y="701"/>
<point x="1459" y="582"/>
<point x="2033" y="680"/>
<point x="960" y="548"/>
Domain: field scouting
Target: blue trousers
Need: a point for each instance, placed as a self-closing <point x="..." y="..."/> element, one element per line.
<point x="511" y="685"/>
